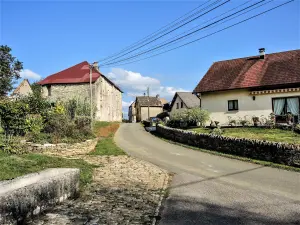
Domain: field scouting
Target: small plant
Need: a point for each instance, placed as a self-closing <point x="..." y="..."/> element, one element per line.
<point x="289" y="117"/>
<point x="216" y="122"/>
<point x="217" y="131"/>
<point x="232" y="122"/>
<point x="255" y="120"/>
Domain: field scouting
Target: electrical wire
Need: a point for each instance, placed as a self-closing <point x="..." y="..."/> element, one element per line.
<point x="198" y="39"/>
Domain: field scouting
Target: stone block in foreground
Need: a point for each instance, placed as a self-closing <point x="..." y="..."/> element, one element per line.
<point x="33" y="193"/>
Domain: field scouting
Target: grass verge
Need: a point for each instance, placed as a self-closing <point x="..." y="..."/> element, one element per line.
<point x="12" y="166"/>
<point x="276" y="135"/>
<point x="259" y="162"/>
<point x="106" y="144"/>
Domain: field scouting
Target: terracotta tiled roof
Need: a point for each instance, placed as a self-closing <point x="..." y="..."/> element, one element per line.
<point x="280" y="68"/>
<point x="80" y="73"/>
<point x="143" y="101"/>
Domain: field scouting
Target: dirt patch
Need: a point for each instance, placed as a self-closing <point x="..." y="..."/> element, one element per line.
<point x="107" y="131"/>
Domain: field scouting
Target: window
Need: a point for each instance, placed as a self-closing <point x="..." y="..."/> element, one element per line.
<point x="181" y="104"/>
<point x="177" y="105"/>
<point x="49" y="90"/>
<point x="233" y="105"/>
<point x="284" y="106"/>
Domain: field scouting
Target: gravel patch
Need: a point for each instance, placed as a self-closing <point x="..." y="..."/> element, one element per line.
<point x="125" y="190"/>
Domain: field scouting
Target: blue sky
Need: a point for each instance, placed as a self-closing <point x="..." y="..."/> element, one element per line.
<point x="49" y="36"/>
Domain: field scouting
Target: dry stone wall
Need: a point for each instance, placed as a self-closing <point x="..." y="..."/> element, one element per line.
<point x="287" y="154"/>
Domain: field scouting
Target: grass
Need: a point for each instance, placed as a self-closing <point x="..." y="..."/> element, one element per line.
<point x="255" y="161"/>
<point x="106" y="144"/>
<point x="12" y="166"/>
<point x="276" y="135"/>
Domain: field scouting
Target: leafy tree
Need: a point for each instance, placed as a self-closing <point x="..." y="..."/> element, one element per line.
<point x="10" y="69"/>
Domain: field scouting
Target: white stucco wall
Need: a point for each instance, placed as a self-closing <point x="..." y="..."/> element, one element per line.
<point x="217" y="104"/>
<point x="177" y="100"/>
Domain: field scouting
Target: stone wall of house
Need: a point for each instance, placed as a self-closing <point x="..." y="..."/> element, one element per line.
<point x="287" y="154"/>
<point x="106" y="97"/>
<point x="142" y="113"/>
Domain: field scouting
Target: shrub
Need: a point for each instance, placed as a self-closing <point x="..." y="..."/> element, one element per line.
<point x="82" y="122"/>
<point x="217" y="131"/>
<point x="34" y="124"/>
<point x="13" y="117"/>
<point x="36" y="104"/>
<point x="11" y="144"/>
<point x="71" y="107"/>
<point x="188" y="117"/>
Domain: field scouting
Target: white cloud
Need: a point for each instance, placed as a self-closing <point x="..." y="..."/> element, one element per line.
<point x="126" y="104"/>
<point x="136" y="84"/>
<point x="28" y="74"/>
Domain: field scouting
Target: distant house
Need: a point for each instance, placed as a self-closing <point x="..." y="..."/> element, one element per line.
<point x="253" y="86"/>
<point x="184" y="100"/>
<point x="132" y="113"/>
<point x="24" y="89"/>
<point x="142" y="103"/>
<point x="74" y="83"/>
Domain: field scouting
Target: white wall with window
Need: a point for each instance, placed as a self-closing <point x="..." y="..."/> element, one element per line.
<point x="239" y="104"/>
<point x="178" y="104"/>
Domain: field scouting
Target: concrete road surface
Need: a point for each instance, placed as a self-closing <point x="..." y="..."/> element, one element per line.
<point x="209" y="189"/>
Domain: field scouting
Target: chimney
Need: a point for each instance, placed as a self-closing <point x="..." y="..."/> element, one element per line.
<point x="261" y="53"/>
<point x="157" y="96"/>
<point x="95" y="65"/>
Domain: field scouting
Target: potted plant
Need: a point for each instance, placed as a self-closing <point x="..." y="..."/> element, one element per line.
<point x="289" y="117"/>
<point x="255" y="120"/>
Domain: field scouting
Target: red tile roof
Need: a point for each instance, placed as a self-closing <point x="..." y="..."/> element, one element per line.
<point x="80" y="73"/>
<point x="282" y="68"/>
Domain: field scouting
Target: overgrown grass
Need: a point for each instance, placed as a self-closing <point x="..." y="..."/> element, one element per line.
<point x="12" y="166"/>
<point x="255" y="161"/>
<point x="106" y="144"/>
<point x="276" y="135"/>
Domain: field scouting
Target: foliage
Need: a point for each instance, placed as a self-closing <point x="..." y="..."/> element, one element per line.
<point x="244" y="122"/>
<point x="216" y="131"/>
<point x="83" y="122"/>
<point x="217" y="123"/>
<point x="13" y="117"/>
<point x="10" y="69"/>
<point x="36" y="90"/>
<point x="59" y="108"/>
<point x="34" y="124"/>
<point x="255" y="119"/>
<point x="188" y="117"/>
<point x="11" y="144"/>
<point x="71" y="107"/>
<point x="12" y="166"/>
<point x="231" y="122"/>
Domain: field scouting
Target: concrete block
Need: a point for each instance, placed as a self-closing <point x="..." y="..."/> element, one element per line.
<point x="31" y="194"/>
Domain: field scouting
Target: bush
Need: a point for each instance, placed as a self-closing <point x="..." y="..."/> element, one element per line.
<point x="13" y="117"/>
<point x="11" y="144"/>
<point x="188" y="117"/>
<point x="82" y="122"/>
<point x="35" y="124"/>
<point x="217" y="131"/>
<point x="36" y="104"/>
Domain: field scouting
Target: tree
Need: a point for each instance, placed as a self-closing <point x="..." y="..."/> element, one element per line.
<point x="10" y="69"/>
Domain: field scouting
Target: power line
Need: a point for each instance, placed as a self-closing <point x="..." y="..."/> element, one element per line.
<point x="171" y="30"/>
<point x="179" y="38"/>
<point x="154" y="33"/>
<point x="198" y="39"/>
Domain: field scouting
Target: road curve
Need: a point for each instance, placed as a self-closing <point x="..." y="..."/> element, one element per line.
<point x="209" y="189"/>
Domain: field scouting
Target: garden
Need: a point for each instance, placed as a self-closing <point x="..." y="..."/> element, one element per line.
<point x="258" y="128"/>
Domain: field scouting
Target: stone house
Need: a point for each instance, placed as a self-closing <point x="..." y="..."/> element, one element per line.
<point x="184" y="100"/>
<point x="24" y="89"/>
<point x="74" y="83"/>
<point x="132" y="113"/>
<point x="141" y="106"/>
<point x="253" y="86"/>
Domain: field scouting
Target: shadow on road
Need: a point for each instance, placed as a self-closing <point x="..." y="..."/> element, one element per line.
<point x="207" y="213"/>
<point x="216" y="177"/>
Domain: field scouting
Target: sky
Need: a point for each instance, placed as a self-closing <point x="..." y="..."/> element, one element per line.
<point x="49" y="36"/>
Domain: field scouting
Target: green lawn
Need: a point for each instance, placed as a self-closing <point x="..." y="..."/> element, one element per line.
<point x="276" y="135"/>
<point x="12" y="165"/>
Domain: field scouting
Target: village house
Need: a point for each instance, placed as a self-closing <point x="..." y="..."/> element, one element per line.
<point x="253" y="86"/>
<point x="24" y="89"/>
<point x="74" y="83"/>
<point x="184" y="100"/>
<point x="132" y="113"/>
<point x="142" y="103"/>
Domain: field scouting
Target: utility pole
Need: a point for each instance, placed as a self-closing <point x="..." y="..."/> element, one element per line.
<point x="148" y="104"/>
<point x="91" y="92"/>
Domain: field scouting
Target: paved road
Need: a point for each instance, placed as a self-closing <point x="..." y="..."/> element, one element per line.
<point x="209" y="189"/>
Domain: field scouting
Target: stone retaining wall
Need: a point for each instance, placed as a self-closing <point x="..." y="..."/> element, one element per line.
<point x="31" y="194"/>
<point x="88" y="144"/>
<point x="281" y="153"/>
